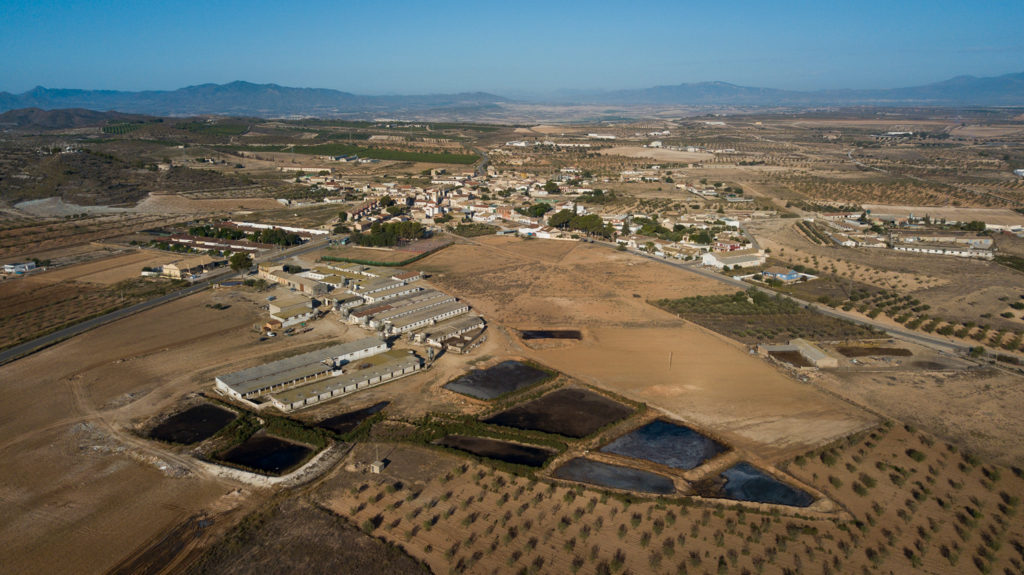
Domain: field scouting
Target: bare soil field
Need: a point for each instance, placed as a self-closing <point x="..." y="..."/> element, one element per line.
<point x="176" y="204"/>
<point x="108" y="271"/>
<point x="975" y="409"/>
<point x="383" y="255"/>
<point x="536" y="284"/>
<point x="299" y="537"/>
<point x="701" y="378"/>
<point x="998" y="216"/>
<point x="46" y="300"/>
<point x="659" y="154"/>
<point x="975" y="131"/>
<point x="634" y="349"/>
<point x="80" y="489"/>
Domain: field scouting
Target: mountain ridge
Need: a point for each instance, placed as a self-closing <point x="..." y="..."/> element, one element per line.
<point x="242" y="98"/>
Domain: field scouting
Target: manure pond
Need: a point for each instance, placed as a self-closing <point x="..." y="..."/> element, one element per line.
<point x="570" y="412"/>
<point x="346" y="422"/>
<point x="668" y="444"/>
<point x="551" y="334"/>
<point x="615" y="476"/>
<point x="267" y="454"/>
<point x="193" y="425"/>
<point x="744" y="482"/>
<point x="501" y="450"/>
<point x="497" y="380"/>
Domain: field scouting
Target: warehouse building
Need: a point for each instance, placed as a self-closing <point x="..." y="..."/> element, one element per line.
<point x="305" y="285"/>
<point x="354" y="377"/>
<point x="304" y="368"/>
<point x="424" y="318"/>
<point x="438" y="334"/>
<point x="294" y="313"/>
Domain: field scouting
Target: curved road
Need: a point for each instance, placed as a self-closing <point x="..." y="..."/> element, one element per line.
<point x="30" y="347"/>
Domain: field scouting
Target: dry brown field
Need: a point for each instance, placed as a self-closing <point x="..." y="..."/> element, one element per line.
<point x="991" y="216"/>
<point x="634" y="349"/>
<point x="43" y="301"/>
<point x="177" y="204"/>
<point x="71" y="412"/>
<point x="659" y="154"/>
<point x="80" y="490"/>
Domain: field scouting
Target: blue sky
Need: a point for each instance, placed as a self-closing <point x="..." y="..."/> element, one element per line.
<point x="513" y="48"/>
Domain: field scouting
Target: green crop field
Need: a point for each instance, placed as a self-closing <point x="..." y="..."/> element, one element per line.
<point x="120" y="129"/>
<point x="218" y="129"/>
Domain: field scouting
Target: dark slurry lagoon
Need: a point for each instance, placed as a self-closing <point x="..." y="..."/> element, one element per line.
<point x="744" y="482"/>
<point x="193" y="425"/>
<point x="668" y="444"/>
<point x="614" y="476"/>
<point x="571" y="412"/>
<point x="267" y="454"/>
<point x="551" y="334"/>
<point x="497" y="380"/>
<point x="346" y="422"/>
<point x="501" y="450"/>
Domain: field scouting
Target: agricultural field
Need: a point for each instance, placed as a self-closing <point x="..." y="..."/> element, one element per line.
<point x="755" y="317"/>
<point x="910" y="502"/>
<point x="34" y="308"/>
<point x="614" y="420"/>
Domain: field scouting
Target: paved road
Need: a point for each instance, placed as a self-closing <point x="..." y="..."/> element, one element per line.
<point x="481" y="170"/>
<point x="27" y="348"/>
<point x="934" y="342"/>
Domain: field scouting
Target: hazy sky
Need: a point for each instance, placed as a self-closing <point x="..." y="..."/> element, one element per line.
<point x="512" y="47"/>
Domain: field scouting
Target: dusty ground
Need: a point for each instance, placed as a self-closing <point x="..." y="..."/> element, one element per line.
<point x="988" y="215"/>
<point x="977" y="410"/>
<point x="175" y="204"/>
<point x="634" y="349"/>
<point x="79" y="489"/>
<point x="44" y="300"/>
<point x="108" y="271"/>
<point x="660" y="154"/>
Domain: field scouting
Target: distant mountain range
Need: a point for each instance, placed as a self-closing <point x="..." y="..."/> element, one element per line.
<point x="271" y="100"/>
<point x="245" y="99"/>
<point x="1006" y="90"/>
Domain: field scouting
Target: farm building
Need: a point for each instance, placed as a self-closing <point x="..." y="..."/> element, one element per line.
<point x="292" y="314"/>
<point x="410" y="306"/>
<point x="277" y="275"/>
<point x="19" y="268"/>
<point x="425" y="317"/>
<point x="296" y="370"/>
<point x="439" y="333"/>
<point x="388" y="294"/>
<point x="353" y="377"/>
<point x="736" y="260"/>
<point x="958" y="250"/>
<point x="190" y="268"/>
